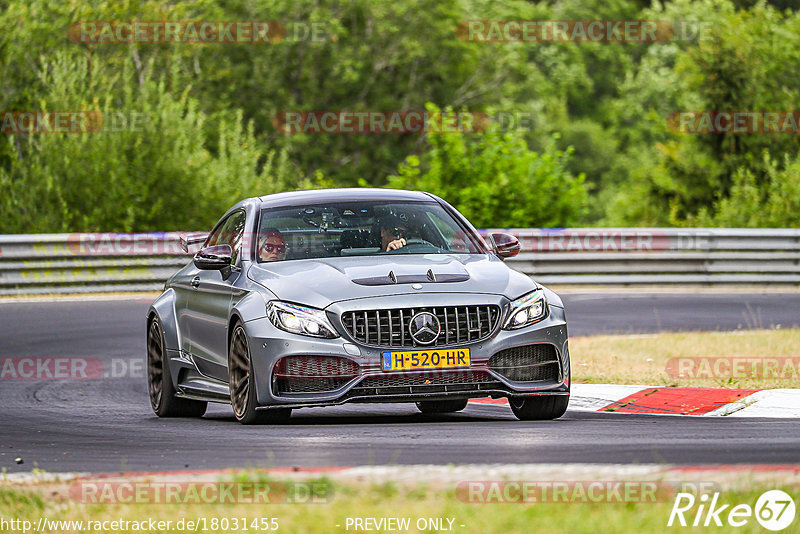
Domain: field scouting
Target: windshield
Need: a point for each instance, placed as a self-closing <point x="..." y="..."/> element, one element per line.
<point x="361" y="229"/>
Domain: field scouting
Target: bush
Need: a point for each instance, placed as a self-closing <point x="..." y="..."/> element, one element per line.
<point x="495" y="180"/>
<point x="772" y="204"/>
<point x="152" y="166"/>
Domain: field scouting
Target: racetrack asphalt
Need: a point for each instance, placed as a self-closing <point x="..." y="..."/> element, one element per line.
<point x="106" y="425"/>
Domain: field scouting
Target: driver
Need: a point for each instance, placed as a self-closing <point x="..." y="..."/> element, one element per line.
<point x="273" y="246"/>
<point x="393" y="233"/>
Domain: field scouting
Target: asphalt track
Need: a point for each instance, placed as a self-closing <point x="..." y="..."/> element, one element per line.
<point x="105" y="424"/>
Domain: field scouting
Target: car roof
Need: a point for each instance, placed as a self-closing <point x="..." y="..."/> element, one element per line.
<point x="315" y="196"/>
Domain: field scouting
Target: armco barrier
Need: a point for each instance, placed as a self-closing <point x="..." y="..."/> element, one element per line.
<point x="77" y="263"/>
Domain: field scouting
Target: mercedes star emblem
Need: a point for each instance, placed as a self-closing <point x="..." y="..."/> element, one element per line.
<point x="424" y="328"/>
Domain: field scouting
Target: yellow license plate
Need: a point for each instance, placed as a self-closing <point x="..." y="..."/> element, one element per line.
<point x="425" y="359"/>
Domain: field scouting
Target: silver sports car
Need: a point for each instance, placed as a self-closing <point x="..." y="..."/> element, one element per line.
<point x="317" y="298"/>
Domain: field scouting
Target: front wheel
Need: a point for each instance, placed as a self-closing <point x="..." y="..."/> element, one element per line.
<point x="443" y="406"/>
<point x="242" y="389"/>
<point x="163" y="397"/>
<point x="540" y="408"/>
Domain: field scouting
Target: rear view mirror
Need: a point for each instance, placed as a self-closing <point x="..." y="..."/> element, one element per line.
<point x="214" y="258"/>
<point x="505" y="245"/>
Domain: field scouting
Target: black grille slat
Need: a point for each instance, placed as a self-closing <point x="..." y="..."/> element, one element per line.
<point x="402" y="330"/>
<point x="389" y="328"/>
<point x="446" y="328"/>
<point x="530" y="363"/>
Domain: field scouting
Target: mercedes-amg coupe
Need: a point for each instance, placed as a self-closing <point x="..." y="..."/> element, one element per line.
<point x="325" y="297"/>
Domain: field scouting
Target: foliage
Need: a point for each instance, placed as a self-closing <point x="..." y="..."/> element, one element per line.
<point x="751" y="203"/>
<point x="597" y="110"/>
<point x="494" y="179"/>
<point x="152" y="165"/>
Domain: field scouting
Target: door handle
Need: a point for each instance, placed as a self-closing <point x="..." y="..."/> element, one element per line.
<point x="195" y="282"/>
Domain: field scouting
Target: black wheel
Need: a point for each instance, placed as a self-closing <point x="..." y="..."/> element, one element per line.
<point x="443" y="406"/>
<point x="539" y="408"/>
<point x="240" y="377"/>
<point x="159" y="380"/>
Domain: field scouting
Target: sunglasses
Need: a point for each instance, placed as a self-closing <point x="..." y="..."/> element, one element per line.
<point x="269" y="247"/>
<point x="396" y="231"/>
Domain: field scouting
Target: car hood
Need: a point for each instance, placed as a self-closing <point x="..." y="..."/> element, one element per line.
<point x="321" y="282"/>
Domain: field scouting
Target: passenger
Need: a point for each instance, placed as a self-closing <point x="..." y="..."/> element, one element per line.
<point x="273" y="246"/>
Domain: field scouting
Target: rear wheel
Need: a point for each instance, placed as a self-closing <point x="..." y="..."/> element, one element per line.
<point x="539" y="408"/>
<point x="240" y="381"/>
<point x="162" y="392"/>
<point x="443" y="406"/>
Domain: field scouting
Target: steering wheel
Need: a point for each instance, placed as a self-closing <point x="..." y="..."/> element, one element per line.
<point x="410" y="241"/>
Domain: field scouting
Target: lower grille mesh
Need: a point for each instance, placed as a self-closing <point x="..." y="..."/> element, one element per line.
<point x="530" y="363"/>
<point x="426" y="384"/>
<point x="309" y="385"/>
<point x="313" y="374"/>
<point x="425" y="379"/>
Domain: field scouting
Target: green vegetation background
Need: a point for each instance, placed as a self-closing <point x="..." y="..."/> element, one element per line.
<point x="597" y="152"/>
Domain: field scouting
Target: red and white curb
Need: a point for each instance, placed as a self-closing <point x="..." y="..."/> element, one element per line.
<point x="679" y="400"/>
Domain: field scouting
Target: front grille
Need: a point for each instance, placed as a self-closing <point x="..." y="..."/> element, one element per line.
<point x="426" y="383"/>
<point x="389" y="328"/>
<point x="530" y="363"/>
<point x="312" y="374"/>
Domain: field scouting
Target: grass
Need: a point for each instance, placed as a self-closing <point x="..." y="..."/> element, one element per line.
<point x="378" y="501"/>
<point x="677" y="359"/>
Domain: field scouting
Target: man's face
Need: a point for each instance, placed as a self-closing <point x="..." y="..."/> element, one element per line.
<point x="272" y="249"/>
<point x="392" y="233"/>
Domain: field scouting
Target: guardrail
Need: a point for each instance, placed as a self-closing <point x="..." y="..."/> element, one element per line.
<point x="77" y="263"/>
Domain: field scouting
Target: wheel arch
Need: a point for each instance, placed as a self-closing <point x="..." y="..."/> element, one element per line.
<point x="164" y="308"/>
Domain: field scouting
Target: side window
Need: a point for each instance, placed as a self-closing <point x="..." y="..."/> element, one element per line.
<point x="229" y="232"/>
<point x="455" y="238"/>
<point x="235" y="230"/>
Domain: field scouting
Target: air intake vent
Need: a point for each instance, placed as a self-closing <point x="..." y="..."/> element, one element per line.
<point x="531" y="363"/>
<point x="312" y="374"/>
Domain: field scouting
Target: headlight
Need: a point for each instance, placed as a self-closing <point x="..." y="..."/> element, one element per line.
<point x="300" y="320"/>
<point x="526" y="310"/>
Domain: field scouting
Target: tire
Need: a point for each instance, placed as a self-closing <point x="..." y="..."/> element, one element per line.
<point x="541" y="408"/>
<point x="240" y="384"/>
<point x="443" y="406"/>
<point x="160" y="388"/>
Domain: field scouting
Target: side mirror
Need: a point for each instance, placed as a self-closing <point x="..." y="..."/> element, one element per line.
<point x="214" y="258"/>
<point x="505" y="245"/>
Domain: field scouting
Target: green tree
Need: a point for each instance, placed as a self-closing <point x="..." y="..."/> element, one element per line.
<point x="495" y="180"/>
<point x="152" y="166"/>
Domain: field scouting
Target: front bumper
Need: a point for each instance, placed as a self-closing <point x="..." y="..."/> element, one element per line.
<point x="269" y="344"/>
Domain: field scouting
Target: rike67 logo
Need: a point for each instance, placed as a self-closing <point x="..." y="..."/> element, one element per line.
<point x="774" y="510"/>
